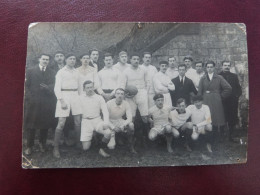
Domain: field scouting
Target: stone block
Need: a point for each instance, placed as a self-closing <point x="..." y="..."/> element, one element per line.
<point x="232" y="43"/>
<point x="212" y="38"/>
<point x="214" y="52"/>
<point x="181" y="45"/>
<point x="173" y="52"/>
<point x="236" y="58"/>
<point x="185" y="52"/>
<point x="203" y="51"/>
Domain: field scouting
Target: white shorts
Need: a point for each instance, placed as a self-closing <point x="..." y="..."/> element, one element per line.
<point x="72" y="100"/>
<point x="140" y="101"/>
<point x="119" y="123"/>
<point x="202" y="129"/>
<point x="160" y="129"/>
<point x="88" y="126"/>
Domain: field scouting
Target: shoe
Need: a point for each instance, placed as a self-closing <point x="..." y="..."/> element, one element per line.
<point x="56" y="153"/>
<point x="42" y="148"/>
<point x="103" y="153"/>
<point x="209" y="148"/>
<point x="28" y="151"/>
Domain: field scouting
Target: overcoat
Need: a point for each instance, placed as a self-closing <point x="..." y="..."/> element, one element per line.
<point x="213" y="93"/>
<point x="39" y="103"/>
<point x="231" y="103"/>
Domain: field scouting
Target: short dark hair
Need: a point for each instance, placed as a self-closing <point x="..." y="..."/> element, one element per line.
<point x="147" y="53"/>
<point x="188" y="58"/>
<point x="171" y="57"/>
<point x="43" y="54"/>
<point x="119" y="89"/>
<point x="180" y="100"/>
<point x="210" y="62"/>
<point x="226" y="62"/>
<point x="86" y="83"/>
<point x="108" y="55"/>
<point x="134" y="54"/>
<point x="122" y="52"/>
<point x="199" y="62"/>
<point x="59" y="52"/>
<point x="163" y="62"/>
<point x="182" y="65"/>
<point x="94" y="49"/>
<point x="157" y="96"/>
<point x="82" y="55"/>
<point x="69" y="55"/>
<point x="197" y="98"/>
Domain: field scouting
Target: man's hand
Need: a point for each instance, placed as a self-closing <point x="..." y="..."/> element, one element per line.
<point x="64" y="106"/>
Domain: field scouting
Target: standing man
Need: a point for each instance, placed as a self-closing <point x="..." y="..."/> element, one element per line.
<point x="190" y="71"/>
<point x="214" y="88"/>
<point x="150" y="72"/>
<point x="122" y="64"/>
<point x="158" y="118"/>
<point x="92" y="105"/>
<point x="136" y="76"/>
<point x="94" y="55"/>
<point x="59" y="58"/>
<point x="199" y="73"/>
<point x="172" y="71"/>
<point x="39" y="98"/>
<point x="67" y="92"/>
<point x="163" y="84"/>
<point x="231" y="103"/>
<point x="118" y="108"/>
<point x="184" y="87"/>
<point x="110" y="78"/>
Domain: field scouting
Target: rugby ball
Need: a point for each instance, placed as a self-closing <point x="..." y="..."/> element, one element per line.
<point x="131" y="90"/>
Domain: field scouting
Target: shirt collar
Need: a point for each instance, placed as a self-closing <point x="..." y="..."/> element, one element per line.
<point x="41" y="67"/>
<point x="181" y="77"/>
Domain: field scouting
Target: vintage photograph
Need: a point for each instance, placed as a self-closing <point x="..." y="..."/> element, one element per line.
<point x="135" y="95"/>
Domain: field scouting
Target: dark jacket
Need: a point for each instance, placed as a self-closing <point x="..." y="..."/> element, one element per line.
<point x="231" y="103"/>
<point x="183" y="91"/>
<point x="39" y="103"/>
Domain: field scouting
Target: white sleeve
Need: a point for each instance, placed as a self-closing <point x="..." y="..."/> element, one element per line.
<point x="57" y="86"/>
<point x="104" y="109"/>
<point x="207" y="118"/>
<point x="158" y="86"/>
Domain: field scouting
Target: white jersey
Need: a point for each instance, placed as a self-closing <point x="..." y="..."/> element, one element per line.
<point x="150" y="72"/>
<point x="110" y="78"/>
<point x="196" y="79"/>
<point x="200" y="117"/>
<point x="172" y="73"/>
<point x="191" y="74"/>
<point x="161" y="82"/>
<point x="160" y="116"/>
<point x="121" y="67"/>
<point x="177" y="120"/>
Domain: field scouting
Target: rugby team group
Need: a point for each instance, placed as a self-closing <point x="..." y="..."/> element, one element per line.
<point x="174" y="101"/>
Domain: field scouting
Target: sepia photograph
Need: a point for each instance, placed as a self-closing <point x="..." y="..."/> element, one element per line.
<point x="135" y="95"/>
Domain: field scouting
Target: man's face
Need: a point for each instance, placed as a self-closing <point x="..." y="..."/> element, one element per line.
<point x="120" y="95"/>
<point x="210" y="68"/>
<point x="159" y="102"/>
<point x="94" y="56"/>
<point x="85" y="59"/>
<point x="182" y="71"/>
<point x="188" y="63"/>
<point x="44" y="60"/>
<point x="181" y="107"/>
<point x="89" y="88"/>
<point x="123" y="58"/>
<point x="59" y="58"/>
<point x="71" y="61"/>
<point x="198" y="104"/>
<point x="135" y="61"/>
<point x="172" y="62"/>
<point x="163" y="67"/>
<point x="199" y="68"/>
<point x="108" y="61"/>
<point x="147" y="59"/>
<point x="226" y="66"/>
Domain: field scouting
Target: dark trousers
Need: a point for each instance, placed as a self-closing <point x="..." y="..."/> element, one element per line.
<point x="31" y="137"/>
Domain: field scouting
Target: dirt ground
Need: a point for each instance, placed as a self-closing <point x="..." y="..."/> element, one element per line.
<point x="154" y="155"/>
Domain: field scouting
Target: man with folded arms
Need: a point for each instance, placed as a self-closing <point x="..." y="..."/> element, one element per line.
<point x="118" y="108"/>
<point x="67" y="92"/>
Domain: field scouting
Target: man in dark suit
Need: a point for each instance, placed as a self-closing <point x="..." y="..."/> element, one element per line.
<point x="184" y="87"/>
<point x="39" y="100"/>
<point x="231" y="103"/>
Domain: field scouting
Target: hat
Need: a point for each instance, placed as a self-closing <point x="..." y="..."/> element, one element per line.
<point x="158" y="96"/>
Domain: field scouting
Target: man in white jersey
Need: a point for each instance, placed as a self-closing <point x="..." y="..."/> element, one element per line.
<point x="199" y="73"/>
<point x="92" y="105"/>
<point x="158" y="117"/>
<point x="66" y="90"/>
<point x="200" y="120"/>
<point x="118" y="108"/>
<point x="110" y="78"/>
<point x="178" y="119"/>
<point x="172" y="71"/>
<point x="162" y="83"/>
<point x="122" y="64"/>
<point x="190" y="72"/>
<point x="136" y="76"/>
<point x="150" y="72"/>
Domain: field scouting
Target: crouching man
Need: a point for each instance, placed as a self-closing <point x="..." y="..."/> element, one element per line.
<point x="200" y="121"/>
<point x="118" y="108"/>
<point x="92" y="105"/>
<point x="158" y="118"/>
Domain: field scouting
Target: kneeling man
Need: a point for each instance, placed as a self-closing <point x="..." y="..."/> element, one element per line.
<point x="158" y="117"/>
<point x="117" y="108"/>
<point x="200" y="120"/>
<point x="92" y="105"/>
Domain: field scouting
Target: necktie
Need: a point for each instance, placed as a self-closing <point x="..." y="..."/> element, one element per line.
<point x="182" y="81"/>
